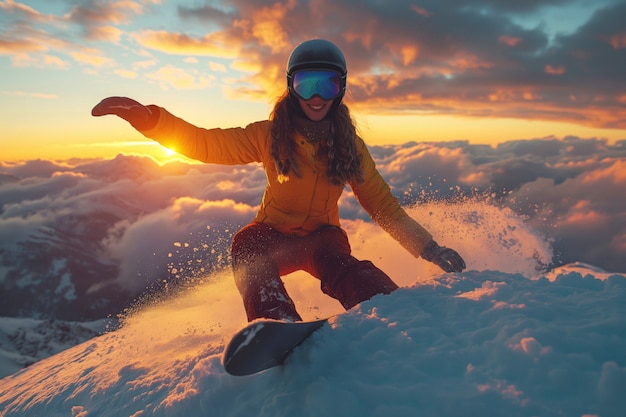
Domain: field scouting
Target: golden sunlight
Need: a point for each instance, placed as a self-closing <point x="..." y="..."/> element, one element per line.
<point x="168" y="151"/>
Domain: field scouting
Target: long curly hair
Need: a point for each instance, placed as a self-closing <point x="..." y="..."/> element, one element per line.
<point x="344" y="163"/>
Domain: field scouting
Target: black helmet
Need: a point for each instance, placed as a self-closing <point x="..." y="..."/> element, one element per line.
<point x="317" y="53"/>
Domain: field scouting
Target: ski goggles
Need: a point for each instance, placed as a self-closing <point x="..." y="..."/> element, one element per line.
<point x="327" y="84"/>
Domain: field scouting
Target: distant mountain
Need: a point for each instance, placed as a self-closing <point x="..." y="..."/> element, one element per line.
<point x="50" y="274"/>
<point x="25" y="341"/>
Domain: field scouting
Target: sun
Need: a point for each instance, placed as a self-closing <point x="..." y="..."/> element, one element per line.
<point x="165" y="155"/>
<point x="168" y="151"/>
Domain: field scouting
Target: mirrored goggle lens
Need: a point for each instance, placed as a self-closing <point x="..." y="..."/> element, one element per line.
<point x="326" y="84"/>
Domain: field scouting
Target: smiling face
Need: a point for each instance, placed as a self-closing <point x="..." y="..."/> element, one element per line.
<point x="315" y="108"/>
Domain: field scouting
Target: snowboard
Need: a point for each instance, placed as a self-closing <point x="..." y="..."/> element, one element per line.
<point x="265" y="343"/>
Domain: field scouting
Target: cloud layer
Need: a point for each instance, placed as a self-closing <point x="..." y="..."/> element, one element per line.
<point x="101" y="228"/>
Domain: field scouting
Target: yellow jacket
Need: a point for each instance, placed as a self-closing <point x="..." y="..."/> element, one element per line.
<point x="299" y="205"/>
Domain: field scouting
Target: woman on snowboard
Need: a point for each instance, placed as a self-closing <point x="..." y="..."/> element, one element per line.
<point x="309" y="149"/>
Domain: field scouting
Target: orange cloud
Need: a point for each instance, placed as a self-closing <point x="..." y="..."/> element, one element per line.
<point x="502" y="95"/>
<point x="531" y="346"/>
<point x="95" y="13"/>
<point x="364" y="36"/>
<point x="409" y="54"/>
<point x="35" y="95"/>
<point x="466" y="60"/>
<point x="267" y="28"/>
<point x="420" y="11"/>
<point x="618" y="41"/>
<point x="126" y="73"/>
<point x="91" y="57"/>
<point x="619" y="242"/>
<point x="9" y="47"/>
<point x="38" y="61"/>
<point x="509" y="40"/>
<point x="217" y="67"/>
<point x="107" y="33"/>
<point x="559" y="70"/>
<point x="615" y="173"/>
<point x="531" y="96"/>
<point x="582" y="213"/>
<point x="11" y="6"/>
<point x="213" y="44"/>
<point x="503" y="102"/>
<point x="370" y="85"/>
<point x="181" y="79"/>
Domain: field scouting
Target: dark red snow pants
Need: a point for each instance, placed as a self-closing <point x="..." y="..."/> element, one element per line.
<point x="261" y="255"/>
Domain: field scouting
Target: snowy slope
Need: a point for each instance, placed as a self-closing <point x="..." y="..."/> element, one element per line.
<point x="478" y="343"/>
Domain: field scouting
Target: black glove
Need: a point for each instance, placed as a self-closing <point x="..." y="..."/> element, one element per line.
<point x="135" y="113"/>
<point x="445" y="258"/>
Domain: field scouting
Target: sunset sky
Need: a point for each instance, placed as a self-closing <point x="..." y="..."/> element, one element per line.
<point x="486" y="71"/>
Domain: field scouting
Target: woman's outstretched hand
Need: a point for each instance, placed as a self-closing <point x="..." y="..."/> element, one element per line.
<point x="138" y="115"/>
<point x="445" y="258"/>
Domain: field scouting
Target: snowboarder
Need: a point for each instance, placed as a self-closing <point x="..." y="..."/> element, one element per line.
<point x="309" y="149"/>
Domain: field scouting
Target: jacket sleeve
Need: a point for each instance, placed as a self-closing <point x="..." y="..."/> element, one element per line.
<point x="375" y="197"/>
<point x="233" y="146"/>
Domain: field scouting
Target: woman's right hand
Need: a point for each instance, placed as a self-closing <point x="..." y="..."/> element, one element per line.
<point x="445" y="258"/>
<point x="138" y="115"/>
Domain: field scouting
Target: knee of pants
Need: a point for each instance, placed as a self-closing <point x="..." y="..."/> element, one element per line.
<point x="358" y="282"/>
<point x="250" y="241"/>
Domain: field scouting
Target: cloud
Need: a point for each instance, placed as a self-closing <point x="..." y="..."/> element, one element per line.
<point x="21" y="35"/>
<point x="180" y="78"/>
<point x="38" y="61"/>
<point x="21" y="10"/>
<point x="126" y="73"/>
<point x="46" y="96"/>
<point x="182" y="44"/>
<point x="586" y="211"/>
<point x="186" y="224"/>
<point x="565" y="187"/>
<point x="97" y="19"/>
<point x="476" y="58"/>
<point x="91" y="57"/>
<point x="470" y="58"/>
<point x="33" y="38"/>
<point x="119" y="226"/>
